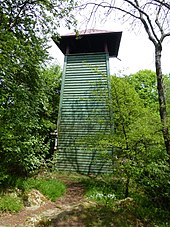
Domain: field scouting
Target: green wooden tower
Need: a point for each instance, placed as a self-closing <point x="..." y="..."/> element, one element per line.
<point x="84" y="114"/>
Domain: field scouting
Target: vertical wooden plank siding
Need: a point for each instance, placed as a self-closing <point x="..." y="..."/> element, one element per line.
<point x="84" y="115"/>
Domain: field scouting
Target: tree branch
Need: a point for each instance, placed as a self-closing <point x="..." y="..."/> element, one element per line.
<point x="104" y="5"/>
<point x="148" y="25"/>
<point x="157" y="21"/>
<point x="21" y="8"/>
<point x="167" y="5"/>
<point x="146" y="22"/>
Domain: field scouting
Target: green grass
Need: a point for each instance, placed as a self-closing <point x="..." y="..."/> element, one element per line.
<point x="13" y="201"/>
<point x="10" y="203"/>
<point x="50" y="188"/>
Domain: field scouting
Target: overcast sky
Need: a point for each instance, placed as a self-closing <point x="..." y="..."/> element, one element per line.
<point x="136" y="52"/>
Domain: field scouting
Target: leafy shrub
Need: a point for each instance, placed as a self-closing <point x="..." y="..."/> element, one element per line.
<point x="155" y="182"/>
<point x="146" y="210"/>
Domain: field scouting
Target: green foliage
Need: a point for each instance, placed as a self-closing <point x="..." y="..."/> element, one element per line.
<point x="139" y="154"/>
<point x="167" y="92"/>
<point x="144" y="83"/>
<point x="40" y="17"/>
<point x="51" y="84"/>
<point x="28" y="98"/>
<point x="154" y="175"/>
<point x="155" y="181"/>
<point x="27" y="123"/>
<point x="10" y="203"/>
<point x="137" y="136"/>
<point x="147" y="210"/>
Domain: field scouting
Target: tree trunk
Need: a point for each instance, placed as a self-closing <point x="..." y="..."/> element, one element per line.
<point x="161" y="97"/>
<point x="127" y="186"/>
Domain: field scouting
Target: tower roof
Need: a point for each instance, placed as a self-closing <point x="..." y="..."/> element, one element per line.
<point x="90" y="41"/>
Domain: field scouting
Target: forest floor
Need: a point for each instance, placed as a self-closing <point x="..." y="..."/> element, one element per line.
<point x="73" y="196"/>
<point x="93" y="215"/>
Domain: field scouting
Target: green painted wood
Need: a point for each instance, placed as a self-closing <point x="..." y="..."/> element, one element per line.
<point x="84" y="114"/>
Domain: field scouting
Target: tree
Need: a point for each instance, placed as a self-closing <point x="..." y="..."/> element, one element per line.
<point x="25" y="28"/>
<point x="154" y="17"/>
<point x="137" y="138"/>
<point x="26" y="108"/>
<point x="144" y="83"/>
<point x="27" y="120"/>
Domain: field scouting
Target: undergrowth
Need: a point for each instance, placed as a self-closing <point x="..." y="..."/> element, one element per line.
<point x="109" y="193"/>
<point x="12" y="197"/>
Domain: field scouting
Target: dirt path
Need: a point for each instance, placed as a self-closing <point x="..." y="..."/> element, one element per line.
<point x="73" y="209"/>
<point x="73" y="195"/>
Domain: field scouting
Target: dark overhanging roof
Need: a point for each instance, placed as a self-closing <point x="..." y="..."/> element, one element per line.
<point x="90" y="41"/>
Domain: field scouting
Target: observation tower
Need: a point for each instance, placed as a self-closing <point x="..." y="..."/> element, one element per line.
<point x="84" y="114"/>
